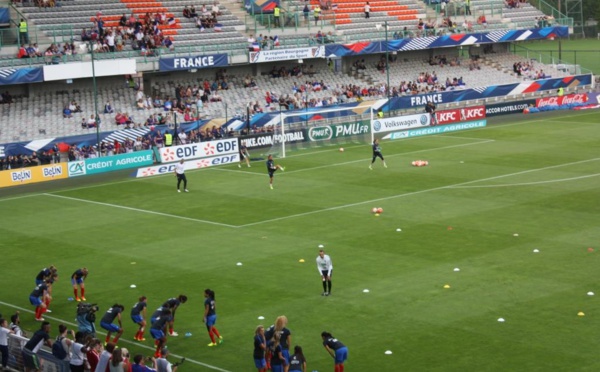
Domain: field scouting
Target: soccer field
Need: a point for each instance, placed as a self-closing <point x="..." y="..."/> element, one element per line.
<point x="487" y="200"/>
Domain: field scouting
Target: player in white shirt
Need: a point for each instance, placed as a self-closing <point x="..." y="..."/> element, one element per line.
<point x="180" y="173"/>
<point x="325" y="267"/>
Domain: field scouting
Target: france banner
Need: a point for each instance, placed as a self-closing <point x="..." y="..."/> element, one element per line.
<point x="193" y="62"/>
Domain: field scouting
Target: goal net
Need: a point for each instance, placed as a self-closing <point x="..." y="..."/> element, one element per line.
<point x="315" y="128"/>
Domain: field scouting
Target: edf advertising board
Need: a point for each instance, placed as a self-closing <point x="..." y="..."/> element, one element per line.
<point x="199" y="150"/>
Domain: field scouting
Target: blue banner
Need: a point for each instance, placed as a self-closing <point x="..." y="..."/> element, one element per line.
<point x="451" y="40"/>
<point x="9" y="76"/>
<point x="193" y="62"/>
<point x="4" y="16"/>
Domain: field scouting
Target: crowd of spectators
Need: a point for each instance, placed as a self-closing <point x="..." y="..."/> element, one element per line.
<point x="143" y="33"/>
<point x="52" y="55"/>
<point x="511" y="4"/>
<point x="528" y="71"/>
<point x="22" y="161"/>
<point x="204" y="18"/>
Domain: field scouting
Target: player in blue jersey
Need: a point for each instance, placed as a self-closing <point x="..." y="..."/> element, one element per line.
<point x="278" y="361"/>
<point x="210" y="317"/>
<point x="272" y="168"/>
<point x="284" y="335"/>
<point x="107" y="322"/>
<point x="173" y="303"/>
<point x="158" y="330"/>
<point x="336" y="349"/>
<point x="138" y="315"/>
<point x="377" y="154"/>
<point x="77" y="280"/>
<point x="46" y="273"/>
<point x="38" y="299"/>
<point x="260" y="346"/>
<point x="297" y="361"/>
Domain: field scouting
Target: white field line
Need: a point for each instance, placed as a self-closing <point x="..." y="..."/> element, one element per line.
<point x="140" y="210"/>
<point x="46" y="316"/>
<point x="528" y="183"/>
<point x="416" y="192"/>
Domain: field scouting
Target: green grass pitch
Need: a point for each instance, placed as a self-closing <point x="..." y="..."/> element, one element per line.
<point x="536" y="176"/>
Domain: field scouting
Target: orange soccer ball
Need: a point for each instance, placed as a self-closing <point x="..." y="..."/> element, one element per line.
<point x="379" y="210"/>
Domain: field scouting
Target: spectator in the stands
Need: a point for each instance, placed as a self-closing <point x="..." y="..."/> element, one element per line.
<point x="123" y="20"/>
<point x="74" y="107"/>
<point x="22" y="53"/>
<point x="92" y="122"/>
<point x="67" y="112"/>
<point x="108" y="109"/>
<point x="482" y="21"/>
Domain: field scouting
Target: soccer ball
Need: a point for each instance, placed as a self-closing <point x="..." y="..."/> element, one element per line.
<point x="341" y="149"/>
<point x="374" y="210"/>
<point x="379" y="210"/>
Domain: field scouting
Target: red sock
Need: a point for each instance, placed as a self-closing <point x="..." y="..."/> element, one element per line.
<point x="211" y="337"/>
<point x="82" y="292"/>
<point x="171" y="330"/>
<point x="38" y="312"/>
<point x="341" y="368"/>
<point x="216" y="332"/>
<point x="75" y="292"/>
<point x="116" y="339"/>
<point x="139" y="335"/>
<point x="107" y="338"/>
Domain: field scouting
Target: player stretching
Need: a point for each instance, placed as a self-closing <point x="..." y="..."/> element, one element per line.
<point x="173" y="303"/>
<point x="244" y="156"/>
<point x="107" y="322"/>
<point x="38" y="299"/>
<point x="325" y="267"/>
<point x="210" y="317"/>
<point x="138" y="315"/>
<point x="336" y="349"/>
<point x="77" y="280"/>
<point x="272" y="168"/>
<point x="159" y="328"/>
<point x="377" y="154"/>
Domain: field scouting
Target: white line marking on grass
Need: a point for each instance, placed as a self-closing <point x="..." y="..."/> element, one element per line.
<point x="366" y="160"/>
<point x="415" y="193"/>
<point x="19" y="197"/>
<point x="120" y="340"/>
<point x="528" y="183"/>
<point x="141" y="210"/>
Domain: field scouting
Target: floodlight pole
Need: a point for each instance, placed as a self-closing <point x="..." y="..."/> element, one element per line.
<point x="387" y="67"/>
<point x="96" y="116"/>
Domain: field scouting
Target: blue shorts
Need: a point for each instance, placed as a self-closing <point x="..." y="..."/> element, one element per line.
<point x="110" y="327"/>
<point x="157" y="334"/>
<point x="211" y="320"/>
<point x="260" y="363"/>
<point x="35" y="301"/>
<point x="341" y="355"/>
<point x="276" y="367"/>
<point x="76" y="281"/>
<point x="137" y="319"/>
<point x="286" y="355"/>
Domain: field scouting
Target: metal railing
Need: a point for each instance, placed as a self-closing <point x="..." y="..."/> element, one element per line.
<point x="288" y="20"/>
<point x="458" y="8"/>
<point x="568" y="61"/>
<point x="548" y="9"/>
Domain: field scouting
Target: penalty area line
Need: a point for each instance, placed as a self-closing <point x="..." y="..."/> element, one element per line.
<point x="447" y="187"/>
<point x="141" y="210"/>
<point x="21" y="309"/>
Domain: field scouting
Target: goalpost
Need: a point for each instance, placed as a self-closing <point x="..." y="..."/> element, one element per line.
<point x="300" y="130"/>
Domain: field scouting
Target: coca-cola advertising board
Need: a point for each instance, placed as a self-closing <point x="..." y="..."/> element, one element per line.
<point x="460" y="115"/>
<point x="563" y="100"/>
